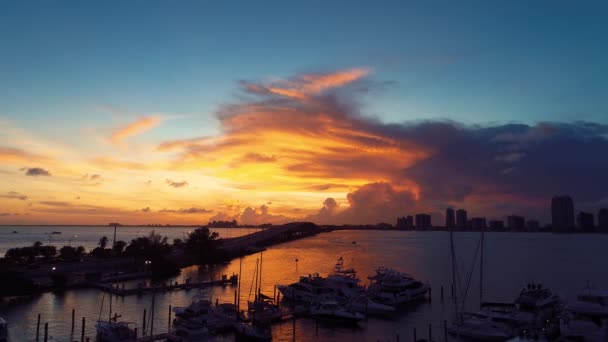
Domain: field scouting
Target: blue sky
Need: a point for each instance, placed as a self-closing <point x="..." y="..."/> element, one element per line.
<point x="487" y="62"/>
<point x="129" y="91"/>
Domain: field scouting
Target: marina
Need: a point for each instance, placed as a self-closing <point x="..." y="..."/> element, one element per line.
<point x="422" y="252"/>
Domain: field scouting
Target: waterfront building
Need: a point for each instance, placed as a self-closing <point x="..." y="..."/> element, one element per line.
<point x="562" y="213"/>
<point x="405" y="222"/>
<point x="423" y="221"/>
<point x="461" y="219"/>
<point x="602" y="220"/>
<point x="585" y="221"/>
<point x="516" y="223"/>
<point x="532" y="225"/>
<point x="478" y="223"/>
<point x="496" y="225"/>
<point x="450" y="219"/>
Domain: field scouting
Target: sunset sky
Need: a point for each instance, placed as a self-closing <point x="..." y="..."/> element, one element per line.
<point x="266" y="112"/>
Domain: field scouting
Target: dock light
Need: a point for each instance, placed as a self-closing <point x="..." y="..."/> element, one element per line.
<point x="53" y="268"/>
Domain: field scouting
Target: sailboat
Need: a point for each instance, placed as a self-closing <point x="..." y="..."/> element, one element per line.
<point x="481" y="325"/>
<point x="261" y="310"/>
<point x="112" y="330"/>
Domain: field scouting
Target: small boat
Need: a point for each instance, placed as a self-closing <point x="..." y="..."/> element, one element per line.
<point x="112" y="331"/>
<point x="56" y="233"/>
<point x="366" y="305"/>
<point x="392" y="287"/>
<point x="250" y="332"/>
<point x="480" y="328"/>
<point x="3" y="330"/>
<point x="190" y="334"/>
<point x="331" y="310"/>
<point x="15" y="232"/>
<point x="587" y="317"/>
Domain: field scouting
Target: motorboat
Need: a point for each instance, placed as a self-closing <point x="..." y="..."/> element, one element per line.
<point x="480" y="328"/>
<point x="586" y="318"/>
<point x="391" y="287"/>
<point x="198" y="306"/>
<point x="112" y="331"/>
<point x="366" y="305"/>
<point x="3" y="330"/>
<point x="535" y="297"/>
<point x="251" y="332"/>
<point x="308" y="289"/>
<point x="189" y="334"/>
<point x="331" y="310"/>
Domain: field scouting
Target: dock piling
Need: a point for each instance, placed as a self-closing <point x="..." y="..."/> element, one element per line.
<point x="430" y="333"/>
<point x="169" y="322"/>
<point x="82" y="330"/>
<point x="415" y="337"/>
<point x="442" y="293"/>
<point x="73" y="317"/>
<point x="38" y="329"/>
<point x="46" y="332"/>
<point x="143" y="325"/>
<point x="445" y="330"/>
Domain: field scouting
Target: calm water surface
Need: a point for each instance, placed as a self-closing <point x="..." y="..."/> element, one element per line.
<point x="566" y="263"/>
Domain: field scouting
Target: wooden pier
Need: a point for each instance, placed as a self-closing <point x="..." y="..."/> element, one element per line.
<point x="120" y="290"/>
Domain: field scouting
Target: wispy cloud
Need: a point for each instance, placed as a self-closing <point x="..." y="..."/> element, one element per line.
<point x="176" y="184"/>
<point x="36" y="171"/>
<point x="192" y="210"/>
<point x="134" y="128"/>
<point x="14" y="195"/>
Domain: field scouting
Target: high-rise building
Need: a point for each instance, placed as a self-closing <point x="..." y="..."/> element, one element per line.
<point x="497" y="225"/>
<point x="478" y="223"/>
<point x="423" y="221"/>
<point x="602" y="220"/>
<point x="406" y="222"/>
<point x="532" y="225"/>
<point x="516" y="223"/>
<point x="562" y="213"/>
<point x="585" y="221"/>
<point x="450" y="220"/>
<point x="461" y="219"/>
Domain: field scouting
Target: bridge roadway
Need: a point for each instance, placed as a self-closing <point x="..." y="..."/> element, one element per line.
<point x="271" y="236"/>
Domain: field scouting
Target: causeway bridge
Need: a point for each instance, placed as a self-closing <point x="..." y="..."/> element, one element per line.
<point x="270" y="236"/>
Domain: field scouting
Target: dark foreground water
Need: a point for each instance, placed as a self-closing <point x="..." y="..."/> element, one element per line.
<point x="566" y="263"/>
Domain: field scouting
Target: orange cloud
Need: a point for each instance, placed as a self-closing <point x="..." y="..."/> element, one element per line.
<point x="16" y="155"/>
<point x="135" y="128"/>
<point x="304" y="86"/>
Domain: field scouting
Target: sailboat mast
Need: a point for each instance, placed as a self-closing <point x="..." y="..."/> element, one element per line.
<point x="260" y="275"/>
<point x="453" y="254"/>
<point x="481" y="273"/>
<point x="238" y="303"/>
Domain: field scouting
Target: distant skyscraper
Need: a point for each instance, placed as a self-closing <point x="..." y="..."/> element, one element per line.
<point x="585" y="221"/>
<point x="497" y="225"/>
<point x="423" y="221"/>
<point x="406" y="222"/>
<point x="602" y="220"/>
<point x="562" y="213"/>
<point x="516" y="223"/>
<point x="450" y="220"/>
<point x="461" y="218"/>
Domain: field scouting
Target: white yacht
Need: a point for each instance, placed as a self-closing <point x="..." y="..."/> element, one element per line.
<point x="331" y="310"/>
<point x="391" y="287"/>
<point x="198" y="306"/>
<point x="111" y="331"/>
<point x="587" y="317"/>
<point x="308" y="289"/>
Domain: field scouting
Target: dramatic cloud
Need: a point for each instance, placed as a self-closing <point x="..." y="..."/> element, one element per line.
<point x="36" y="171"/>
<point x="186" y="211"/>
<point x="176" y="184"/>
<point x="15" y="155"/>
<point x="14" y="195"/>
<point x="307" y="134"/>
<point x="135" y="128"/>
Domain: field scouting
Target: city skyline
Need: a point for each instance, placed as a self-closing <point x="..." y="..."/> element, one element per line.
<point x="206" y="112"/>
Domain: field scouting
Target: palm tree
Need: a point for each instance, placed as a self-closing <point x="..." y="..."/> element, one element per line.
<point x="103" y="242"/>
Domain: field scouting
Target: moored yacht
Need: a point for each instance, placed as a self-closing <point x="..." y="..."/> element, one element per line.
<point x="331" y="310"/>
<point x="112" y="331"/>
<point x="587" y="317"/>
<point x="366" y="305"/>
<point x="481" y="327"/>
<point x="391" y="287"/>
